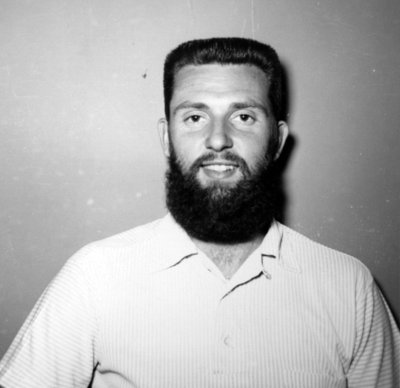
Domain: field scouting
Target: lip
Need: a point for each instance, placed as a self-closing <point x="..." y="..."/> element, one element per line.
<point x="219" y="169"/>
<point x="219" y="164"/>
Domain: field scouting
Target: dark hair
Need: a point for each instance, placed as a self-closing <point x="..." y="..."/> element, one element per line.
<point x="226" y="51"/>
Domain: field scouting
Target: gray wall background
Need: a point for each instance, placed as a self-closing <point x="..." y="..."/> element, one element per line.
<point x="80" y="96"/>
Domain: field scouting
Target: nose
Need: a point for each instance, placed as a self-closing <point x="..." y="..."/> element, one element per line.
<point x="219" y="137"/>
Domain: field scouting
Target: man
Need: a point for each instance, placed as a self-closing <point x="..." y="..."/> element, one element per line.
<point x="217" y="293"/>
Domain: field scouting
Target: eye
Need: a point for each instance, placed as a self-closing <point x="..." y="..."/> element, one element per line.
<point x="193" y="118"/>
<point x="244" y="119"/>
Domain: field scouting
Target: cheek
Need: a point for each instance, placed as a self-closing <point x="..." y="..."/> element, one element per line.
<point x="256" y="153"/>
<point x="184" y="153"/>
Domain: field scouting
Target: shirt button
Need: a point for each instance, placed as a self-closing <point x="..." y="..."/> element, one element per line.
<point x="227" y="341"/>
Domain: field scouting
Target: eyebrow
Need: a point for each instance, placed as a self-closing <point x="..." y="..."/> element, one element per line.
<point x="251" y="104"/>
<point x="236" y="105"/>
<point x="190" y="105"/>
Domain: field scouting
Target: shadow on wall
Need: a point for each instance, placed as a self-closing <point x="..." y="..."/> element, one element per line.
<point x="281" y="164"/>
<point x="391" y="306"/>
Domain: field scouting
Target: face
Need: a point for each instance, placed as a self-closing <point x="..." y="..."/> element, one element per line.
<point x="221" y="122"/>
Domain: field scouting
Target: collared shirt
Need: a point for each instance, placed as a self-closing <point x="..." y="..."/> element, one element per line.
<point x="147" y="309"/>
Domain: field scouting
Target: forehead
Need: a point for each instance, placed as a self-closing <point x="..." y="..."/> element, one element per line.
<point x="221" y="79"/>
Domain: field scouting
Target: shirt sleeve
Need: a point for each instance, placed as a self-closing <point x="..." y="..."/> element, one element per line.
<point x="376" y="357"/>
<point x="56" y="345"/>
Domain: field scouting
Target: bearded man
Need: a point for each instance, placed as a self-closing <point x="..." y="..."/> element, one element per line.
<point x="217" y="293"/>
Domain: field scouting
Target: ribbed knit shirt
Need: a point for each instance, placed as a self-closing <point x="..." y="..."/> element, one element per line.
<point x="147" y="309"/>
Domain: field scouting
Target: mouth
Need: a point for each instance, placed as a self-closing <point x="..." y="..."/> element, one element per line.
<point x="219" y="169"/>
<point x="219" y="166"/>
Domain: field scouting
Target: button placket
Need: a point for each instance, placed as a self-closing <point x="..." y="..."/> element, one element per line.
<point x="224" y="338"/>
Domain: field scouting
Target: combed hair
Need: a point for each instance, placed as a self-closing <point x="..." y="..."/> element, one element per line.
<point x="226" y="51"/>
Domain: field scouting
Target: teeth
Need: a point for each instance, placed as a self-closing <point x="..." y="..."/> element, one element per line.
<point x="219" y="167"/>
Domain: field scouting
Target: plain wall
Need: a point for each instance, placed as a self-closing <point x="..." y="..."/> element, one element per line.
<point x="80" y="96"/>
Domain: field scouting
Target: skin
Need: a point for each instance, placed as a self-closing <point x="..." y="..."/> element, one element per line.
<point x="215" y="109"/>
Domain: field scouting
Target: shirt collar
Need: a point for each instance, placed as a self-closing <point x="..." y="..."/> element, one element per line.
<point x="177" y="246"/>
<point x="268" y="259"/>
<point x="274" y="249"/>
<point x="175" y="243"/>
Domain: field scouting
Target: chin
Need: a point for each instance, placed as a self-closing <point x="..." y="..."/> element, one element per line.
<point x="205" y="182"/>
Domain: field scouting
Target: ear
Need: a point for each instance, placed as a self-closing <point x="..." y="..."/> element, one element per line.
<point x="164" y="135"/>
<point x="283" y="130"/>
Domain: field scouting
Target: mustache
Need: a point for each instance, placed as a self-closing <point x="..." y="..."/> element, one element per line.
<point x="225" y="155"/>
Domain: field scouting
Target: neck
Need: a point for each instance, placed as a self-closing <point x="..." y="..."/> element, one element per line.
<point x="228" y="257"/>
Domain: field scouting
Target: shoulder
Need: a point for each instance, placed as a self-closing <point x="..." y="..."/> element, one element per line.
<point x="142" y="250"/>
<point x="324" y="264"/>
<point x="137" y="245"/>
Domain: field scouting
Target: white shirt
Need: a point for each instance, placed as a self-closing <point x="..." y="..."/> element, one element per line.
<point x="146" y="309"/>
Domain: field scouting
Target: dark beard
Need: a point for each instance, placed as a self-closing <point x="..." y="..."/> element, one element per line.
<point x="219" y="213"/>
